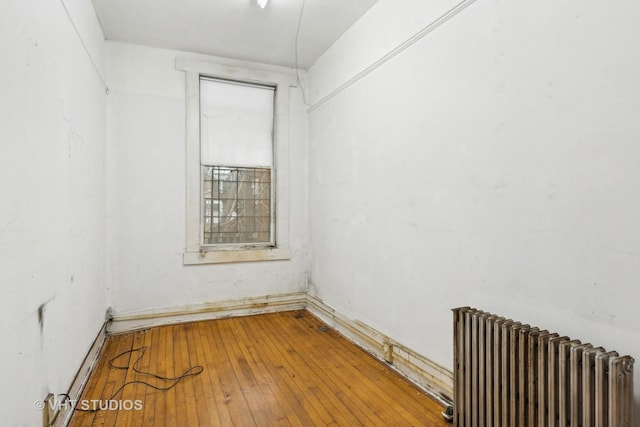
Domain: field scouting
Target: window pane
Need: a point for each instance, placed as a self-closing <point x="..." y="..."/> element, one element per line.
<point x="262" y="191"/>
<point x="228" y="190"/>
<point x="236" y="124"/>
<point x="245" y="208"/>
<point x="245" y="190"/>
<point x="263" y="175"/>
<point x="237" y="207"/>
<point x="246" y="175"/>
<point x="262" y="207"/>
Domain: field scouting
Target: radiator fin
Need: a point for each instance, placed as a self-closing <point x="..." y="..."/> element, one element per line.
<point x="507" y="374"/>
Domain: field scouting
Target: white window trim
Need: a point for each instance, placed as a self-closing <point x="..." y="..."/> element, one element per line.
<point x="194" y="252"/>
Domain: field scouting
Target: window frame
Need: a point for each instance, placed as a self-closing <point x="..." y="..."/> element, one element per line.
<point x="195" y="252"/>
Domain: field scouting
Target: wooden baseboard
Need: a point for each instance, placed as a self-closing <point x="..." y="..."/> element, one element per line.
<point x="82" y="376"/>
<point x="427" y="375"/>
<point x="143" y="319"/>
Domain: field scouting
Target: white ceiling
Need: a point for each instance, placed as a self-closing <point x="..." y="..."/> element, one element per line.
<point x="232" y="28"/>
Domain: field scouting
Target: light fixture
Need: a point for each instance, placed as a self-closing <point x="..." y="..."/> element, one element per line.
<point x="262" y="3"/>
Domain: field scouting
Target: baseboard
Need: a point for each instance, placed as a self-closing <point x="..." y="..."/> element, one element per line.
<point x="82" y="376"/>
<point x="429" y="376"/>
<point x="128" y="321"/>
<point x="424" y="373"/>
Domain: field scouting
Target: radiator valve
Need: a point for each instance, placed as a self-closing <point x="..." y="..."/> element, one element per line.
<point x="448" y="413"/>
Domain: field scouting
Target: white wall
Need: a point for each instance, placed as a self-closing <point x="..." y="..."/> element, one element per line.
<point x="146" y="136"/>
<point x="350" y="55"/>
<point x="491" y="164"/>
<point x="52" y="203"/>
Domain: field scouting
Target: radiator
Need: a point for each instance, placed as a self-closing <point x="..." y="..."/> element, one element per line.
<point x="507" y="374"/>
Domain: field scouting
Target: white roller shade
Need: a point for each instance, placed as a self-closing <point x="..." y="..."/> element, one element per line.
<point x="236" y="124"/>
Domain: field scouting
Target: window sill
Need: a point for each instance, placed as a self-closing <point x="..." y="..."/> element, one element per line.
<point x="241" y="255"/>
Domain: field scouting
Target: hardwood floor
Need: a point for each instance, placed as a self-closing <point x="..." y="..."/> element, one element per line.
<point x="281" y="369"/>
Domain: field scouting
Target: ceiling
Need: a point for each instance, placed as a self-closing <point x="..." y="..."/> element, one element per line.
<point x="232" y="28"/>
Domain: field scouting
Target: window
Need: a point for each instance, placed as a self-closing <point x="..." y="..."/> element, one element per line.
<point x="236" y="156"/>
<point x="236" y="163"/>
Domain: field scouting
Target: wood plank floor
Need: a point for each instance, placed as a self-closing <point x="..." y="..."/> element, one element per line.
<point x="279" y="369"/>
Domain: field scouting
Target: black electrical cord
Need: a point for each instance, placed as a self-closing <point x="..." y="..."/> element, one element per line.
<point x="192" y="371"/>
